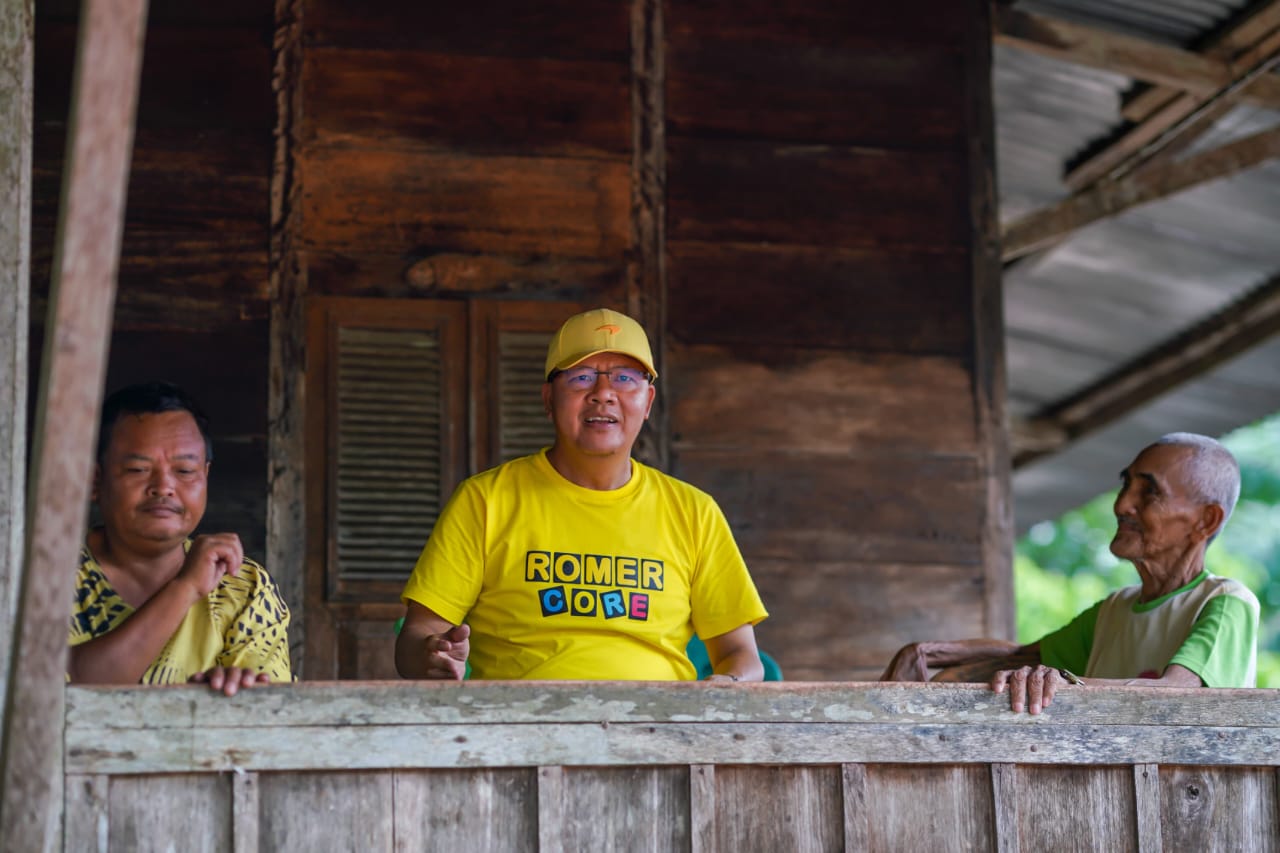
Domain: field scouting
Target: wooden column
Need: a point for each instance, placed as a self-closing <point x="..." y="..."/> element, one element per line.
<point x="286" y="440"/>
<point x="16" y="29"/>
<point x="988" y="317"/>
<point x="81" y="301"/>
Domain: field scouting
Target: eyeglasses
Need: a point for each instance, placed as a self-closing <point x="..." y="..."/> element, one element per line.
<point x="621" y="379"/>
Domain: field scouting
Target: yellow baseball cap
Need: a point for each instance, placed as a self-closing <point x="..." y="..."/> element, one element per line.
<point x="596" y="331"/>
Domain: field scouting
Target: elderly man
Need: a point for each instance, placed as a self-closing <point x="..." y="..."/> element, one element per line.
<point x="579" y="562"/>
<point x="152" y="604"/>
<point x="1180" y="627"/>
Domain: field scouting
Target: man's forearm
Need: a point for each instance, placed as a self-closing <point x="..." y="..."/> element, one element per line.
<point x="123" y="655"/>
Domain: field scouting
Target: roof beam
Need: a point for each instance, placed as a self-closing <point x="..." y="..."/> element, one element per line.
<point x="1242" y="325"/>
<point x="1123" y="54"/>
<point x="1249" y="28"/>
<point x="1055" y="222"/>
<point x="1183" y="118"/>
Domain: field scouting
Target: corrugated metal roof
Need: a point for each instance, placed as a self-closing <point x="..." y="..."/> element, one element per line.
<point x="1120" y="287"/>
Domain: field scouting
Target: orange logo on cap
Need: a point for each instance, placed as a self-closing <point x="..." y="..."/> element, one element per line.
<point x="610" y="328"/>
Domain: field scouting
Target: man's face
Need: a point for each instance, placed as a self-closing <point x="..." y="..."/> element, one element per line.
<point x="602" y="419"/>
<point x="151" y="485"/>
<point x="1157" y="517"/>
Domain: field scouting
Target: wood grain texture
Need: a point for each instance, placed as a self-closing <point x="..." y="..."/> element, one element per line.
<point x="851" y="27"/>
<point x="573" y="207"/>
<point x="482" y="810"/>
<point x="626" y="808"/>
<point x="702" y="808"/>
<point x="749" y="399"/>
<point x="246" y="812"/>
<point x="86" y="815"/>
<point x="791" y="808"/>
<point x="1004" y="802"/>
<point x="147" y="813"/>
<point x="1215" y="809"/>
<point x="357" y="811"/>
<point x="81" y="297"/>
<point x="846" y="300"/>
<point x="1146" y="795"/>
<point x="946" y="808"/>
<point x="857" y="820"/>
<point x="748" y="191"/>
<point x="17" y="22"/>
<point x="521" y="106"/>
<point x="1085" y="808"/>
<point x="844" y="621"/>
<point x="551" y="809"/>
<point x="853" y="510"/>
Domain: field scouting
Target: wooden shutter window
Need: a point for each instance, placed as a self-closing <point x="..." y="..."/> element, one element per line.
<point x="389" y="446"/>
<point x="523" y="426"/>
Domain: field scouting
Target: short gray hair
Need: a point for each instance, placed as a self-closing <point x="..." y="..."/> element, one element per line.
<point x="1211" y="471"/>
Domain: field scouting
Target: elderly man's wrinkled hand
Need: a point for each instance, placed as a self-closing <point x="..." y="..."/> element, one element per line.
<point x="229" y="679"/>
<point x="1030" y="687"/>
<point x="911" y="663"/>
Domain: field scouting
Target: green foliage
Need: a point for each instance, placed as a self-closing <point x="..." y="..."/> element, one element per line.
<point x="1063" y="566"/>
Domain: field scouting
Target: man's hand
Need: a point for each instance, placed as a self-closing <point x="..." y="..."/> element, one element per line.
<point x="211" y="556"/>
<point x="1029" y="686"/>
<point x="447" y="653"/>
<point x="229" y="679"/>
<point x="911" y="663"/>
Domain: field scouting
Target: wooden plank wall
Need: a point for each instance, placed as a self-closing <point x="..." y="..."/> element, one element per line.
<point x="824" y="340"/>
<point x="191" y="303"/>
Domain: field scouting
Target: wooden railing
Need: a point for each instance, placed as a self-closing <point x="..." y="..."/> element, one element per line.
<point x="613" y="766"/>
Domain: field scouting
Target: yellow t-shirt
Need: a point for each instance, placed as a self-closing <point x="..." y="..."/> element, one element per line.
<point x="241" y="623"/>
<point x="562" y="582"/>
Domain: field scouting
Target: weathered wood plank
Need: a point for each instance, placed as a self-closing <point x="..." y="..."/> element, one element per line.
<point x="1146" y="794"/>
<point x="857" y="819"/>
<point x="899" y="508"/>
<point x="147" y="813"/>
<point x="483" y="104"/>
<point x="86" y="816"/>
<point x="487" y="811"/>
<point x="17" y="30"/>
<point x="852" y="300"/>
<point x="792" y="808"/>
<point x="1084" y="808"/>
<point x="551" y="809"/>
<point x="626" y="808"/>
<point x="852" y="26"/>
<point x="101" y="131"/>
<point x="357" y="810"/>
<point x="890" y="94"/>
<point x="864" y="611"/>
<point x="702" y="808"/>
<point x="852" y="405"/>
<point x="1216" y="809"/>
<point x="568" y="29"/>
<point x="1004" y="803"/>
<point x="948" y="808"/>
<point x="584" y="744"/>
<point x="554" y="206"/>
<point x="91" y="711"/>
<point x="747" y="191"/>
<point x="246" y="812"/>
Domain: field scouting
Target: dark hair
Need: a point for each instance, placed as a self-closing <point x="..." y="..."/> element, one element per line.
<point x="148" y="398"/>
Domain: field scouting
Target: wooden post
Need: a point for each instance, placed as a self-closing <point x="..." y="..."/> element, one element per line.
<point x="81" y="300"/>
<point x="16" y="52"/>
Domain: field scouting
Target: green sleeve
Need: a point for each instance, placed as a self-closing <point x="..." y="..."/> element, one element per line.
<point x="1069" y="646"/>
<point x="1223" y="643"/>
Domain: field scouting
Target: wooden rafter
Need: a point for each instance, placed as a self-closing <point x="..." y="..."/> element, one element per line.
<point x="1053" y="223"/>
<point x="1134" y="57"/>
<point x="1179" y="122"/>
<point x="1251" y="27"/>
<point x="1249" y="321"/>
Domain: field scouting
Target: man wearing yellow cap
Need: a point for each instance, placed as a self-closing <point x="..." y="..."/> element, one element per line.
<point x="579" y="562"/>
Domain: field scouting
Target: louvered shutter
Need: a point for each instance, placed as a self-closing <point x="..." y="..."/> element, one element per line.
<point x="523" y="426"/>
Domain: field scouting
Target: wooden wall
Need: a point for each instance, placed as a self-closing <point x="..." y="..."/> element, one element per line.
<point x="795" y="200"/>
<point x="192" y="301"/>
